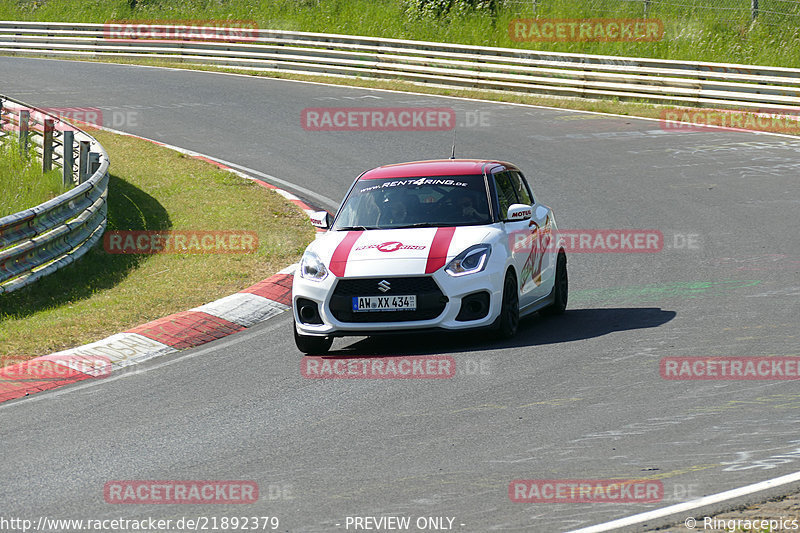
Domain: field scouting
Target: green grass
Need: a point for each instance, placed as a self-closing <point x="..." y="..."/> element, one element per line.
<point x="22" y="182"/>
<point x="690" y="33"/>
<point x="153" y="188"/>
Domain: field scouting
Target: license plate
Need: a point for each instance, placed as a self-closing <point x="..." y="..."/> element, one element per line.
<point x="384" y="303"/>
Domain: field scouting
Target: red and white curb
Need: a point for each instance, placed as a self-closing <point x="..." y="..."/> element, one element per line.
<point x="170" y="334"/>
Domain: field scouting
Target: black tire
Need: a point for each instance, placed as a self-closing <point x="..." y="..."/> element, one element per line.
<point x="560" y="288"/>
<point x="508" y="321"/>
<point x="312" y="345"/>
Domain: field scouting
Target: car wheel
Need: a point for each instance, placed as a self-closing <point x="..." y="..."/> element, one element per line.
<point x="309" y="344"/>
<point x="560" y="287"/>
<point x="508" y="321"/>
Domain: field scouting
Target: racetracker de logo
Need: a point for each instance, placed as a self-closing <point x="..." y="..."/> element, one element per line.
<point x="180" y="242"/>
<point x="774" y="120"/>
<point x="177" y="492"/>
<point x="378" y="119"/>
<point x="55" y="367"/>
<point x="730" y="368"/>
<point x="588" y="240"/>
<point x="594" y="29"/>
<point x="85" y="118"/>
<point x="585" y="491"/>
<point x="401" y="367"/>
<point x="181" y="30"/>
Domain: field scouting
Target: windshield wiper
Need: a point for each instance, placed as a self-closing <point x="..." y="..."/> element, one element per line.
<point x="442" y="225"/>
<point x="354" y="228"/>
<point x="418" y="225"/>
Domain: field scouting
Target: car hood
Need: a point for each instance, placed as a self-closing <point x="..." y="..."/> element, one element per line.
<point x="410" y="251"/>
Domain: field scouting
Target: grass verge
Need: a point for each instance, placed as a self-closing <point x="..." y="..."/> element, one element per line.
<point x="22" y="181"/>
<point x="153" y="188"/>
<point x="693" y="29"/>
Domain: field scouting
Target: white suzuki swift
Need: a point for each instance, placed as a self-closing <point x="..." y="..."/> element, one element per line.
<point x="430" y="245"/>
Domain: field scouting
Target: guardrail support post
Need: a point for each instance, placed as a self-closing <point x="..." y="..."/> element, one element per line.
<point x="754" y="9"/>
<point x="33" y="247"/>
<point x="69" y="157"/>
<point x="94" y="163"/>
<point x="83" y="162"/>
<point x="47" y="145"/>
<point x="24" y="119"/>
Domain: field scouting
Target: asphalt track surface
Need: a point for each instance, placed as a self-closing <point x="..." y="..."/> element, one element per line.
<point x="573" y="397"/>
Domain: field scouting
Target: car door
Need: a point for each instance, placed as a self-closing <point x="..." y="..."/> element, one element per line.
<point x="520" y="234"/>
<point x="538" y="267"/>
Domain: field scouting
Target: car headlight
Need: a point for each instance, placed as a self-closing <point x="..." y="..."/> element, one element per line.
<point x="470" y="261"/>
<point x="311" y="267"/>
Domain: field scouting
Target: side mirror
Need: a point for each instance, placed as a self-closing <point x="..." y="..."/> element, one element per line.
<point x="542" y="212"/>
<point x="519" y="212"/>
<point x="321" y="219"/>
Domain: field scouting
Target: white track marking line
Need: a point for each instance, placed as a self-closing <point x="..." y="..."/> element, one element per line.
<point x="690" y="505"/>
<point x="201" y="350"/>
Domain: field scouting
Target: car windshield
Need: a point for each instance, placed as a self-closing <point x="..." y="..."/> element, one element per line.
<point x="388" y="203"/>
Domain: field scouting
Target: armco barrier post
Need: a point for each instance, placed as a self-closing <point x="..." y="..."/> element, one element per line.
<point x="69" y="158"/>
<point x="83" y="162"/>
<point x="61" y="225"/>
<point x="24" y="119"/>
<point x="94" y="163"/>
<point x="47" y="145"/>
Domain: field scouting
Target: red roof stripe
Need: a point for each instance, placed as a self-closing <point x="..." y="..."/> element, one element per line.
<point x="441" y="167"/>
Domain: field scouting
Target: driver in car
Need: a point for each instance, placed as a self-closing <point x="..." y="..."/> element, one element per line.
<point x="396" y="202"/>
<point x="466" y="208"/>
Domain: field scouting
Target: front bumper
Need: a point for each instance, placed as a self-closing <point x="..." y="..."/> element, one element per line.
<point x="440" y="298"/>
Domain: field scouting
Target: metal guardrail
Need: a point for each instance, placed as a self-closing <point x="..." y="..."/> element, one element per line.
<point x="657" y="81"/>
<point x="38" y="241"/>
<point x="770" y="11"/>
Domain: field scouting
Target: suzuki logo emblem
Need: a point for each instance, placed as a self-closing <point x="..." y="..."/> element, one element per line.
<point x="384" y="286"/>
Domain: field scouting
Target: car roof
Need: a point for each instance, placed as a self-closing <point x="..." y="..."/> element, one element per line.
<point x="435" y="167"/>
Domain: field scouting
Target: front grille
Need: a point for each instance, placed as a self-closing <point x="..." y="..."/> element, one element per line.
<point x="430" y="299"/>
<point x="369" y="286"/>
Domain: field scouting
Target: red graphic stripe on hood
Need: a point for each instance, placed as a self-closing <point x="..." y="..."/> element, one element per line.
<point x="342" y="252"/>
<point x="438" y="252"/>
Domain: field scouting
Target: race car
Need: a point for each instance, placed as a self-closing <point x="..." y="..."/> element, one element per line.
<point x="447" y="244"/>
